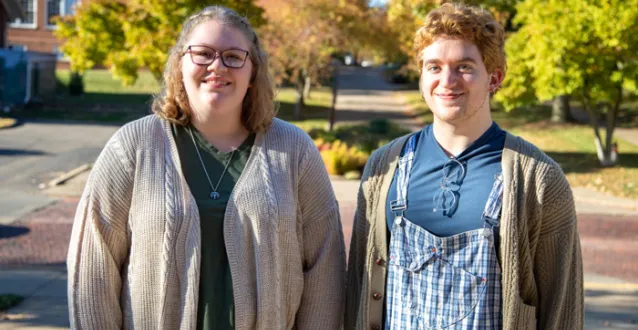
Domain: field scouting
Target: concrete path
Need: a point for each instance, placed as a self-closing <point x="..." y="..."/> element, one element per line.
<point x="628" y="134"/>
<point x="45" y="304"/>
<point x="363" y="96"/>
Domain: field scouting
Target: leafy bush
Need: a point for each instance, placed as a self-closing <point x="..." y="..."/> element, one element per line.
<point x="348" y="147"/>
<point x="366" y="138"/>
<point x="341" y="158"/>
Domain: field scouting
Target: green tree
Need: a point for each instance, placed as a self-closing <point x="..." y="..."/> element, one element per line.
<point x="584" y="48"/>
<point x="127" y="35"/>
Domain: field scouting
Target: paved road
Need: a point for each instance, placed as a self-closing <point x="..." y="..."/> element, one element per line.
<point x="34" y="153"/>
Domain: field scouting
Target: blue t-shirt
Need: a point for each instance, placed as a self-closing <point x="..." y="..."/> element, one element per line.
<point x="471" y="185"/>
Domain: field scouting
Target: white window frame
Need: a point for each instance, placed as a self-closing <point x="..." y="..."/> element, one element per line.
<point x="33" y="25"/>
<point x="46" y="13"/>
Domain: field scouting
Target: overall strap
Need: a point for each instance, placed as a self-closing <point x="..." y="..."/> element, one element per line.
<point x="492" y="212"/>
<point x="399" y="205"/>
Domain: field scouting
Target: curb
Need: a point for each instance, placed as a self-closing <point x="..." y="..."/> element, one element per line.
<point x="66" y="176"/>
<point x="625" y="288"/>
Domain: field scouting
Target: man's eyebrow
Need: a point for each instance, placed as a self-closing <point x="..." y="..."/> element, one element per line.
<point x="467" y="59"/>
<point x="463" y="60"/>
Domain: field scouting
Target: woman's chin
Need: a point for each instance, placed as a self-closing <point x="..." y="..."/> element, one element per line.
<point x="217" y="108"/>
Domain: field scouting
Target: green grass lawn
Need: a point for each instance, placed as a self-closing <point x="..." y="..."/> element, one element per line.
<point x="317" y="109"/>
<point x="571" y="145"/>
<point x="102" y="82"/>
<point x="105" y="100"/>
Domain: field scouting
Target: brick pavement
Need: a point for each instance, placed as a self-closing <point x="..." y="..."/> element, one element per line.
<point x="609" y="243"/>
<point x="39" y="238"/>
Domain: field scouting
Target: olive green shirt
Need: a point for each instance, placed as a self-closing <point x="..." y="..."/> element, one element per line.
<point x="215" y="306"/>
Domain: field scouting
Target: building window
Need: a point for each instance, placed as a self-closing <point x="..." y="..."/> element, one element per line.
<point x="58" y="8"/>
<point x="53" y="10"/>
<point x="29" y="7"/>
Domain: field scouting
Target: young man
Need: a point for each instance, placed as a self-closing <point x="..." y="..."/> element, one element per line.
<point x="463" y="225"/>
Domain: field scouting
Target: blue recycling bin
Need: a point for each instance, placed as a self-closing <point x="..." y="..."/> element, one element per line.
<point x="13" y="78"/>
<point x="26" y="77"/>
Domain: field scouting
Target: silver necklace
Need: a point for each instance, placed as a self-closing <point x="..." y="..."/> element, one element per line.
<point x="213" y="194"/>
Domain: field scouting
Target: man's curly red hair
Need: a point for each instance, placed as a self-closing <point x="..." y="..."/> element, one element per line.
<point x="453" y="20"/>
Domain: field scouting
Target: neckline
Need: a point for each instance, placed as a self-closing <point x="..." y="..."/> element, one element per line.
<point x="208" y="147"/>
<point x="486" y="136"/>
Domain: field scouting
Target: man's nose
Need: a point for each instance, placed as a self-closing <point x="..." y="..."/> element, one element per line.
<point x="448" y="78"/>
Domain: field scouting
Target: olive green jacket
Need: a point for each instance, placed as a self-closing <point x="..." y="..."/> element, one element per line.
<point x="539" y="252"/>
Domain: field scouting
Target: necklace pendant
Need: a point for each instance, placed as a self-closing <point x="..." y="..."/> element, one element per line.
<point x="214" y="195"/>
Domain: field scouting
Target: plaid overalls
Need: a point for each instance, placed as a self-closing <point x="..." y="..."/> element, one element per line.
<point x="442" y="282"/>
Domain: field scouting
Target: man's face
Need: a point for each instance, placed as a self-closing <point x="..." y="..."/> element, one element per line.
<point x="454" y="81"/>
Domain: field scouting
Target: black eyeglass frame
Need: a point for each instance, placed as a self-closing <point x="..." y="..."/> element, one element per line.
<point x="217" y="54"/>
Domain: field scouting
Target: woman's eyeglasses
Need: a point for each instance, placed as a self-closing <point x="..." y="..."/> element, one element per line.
<point x="204" y="55"/>
<point x="446" y="199"/>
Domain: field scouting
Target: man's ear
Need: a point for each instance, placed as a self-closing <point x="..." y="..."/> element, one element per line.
<point x="496" y="78"/>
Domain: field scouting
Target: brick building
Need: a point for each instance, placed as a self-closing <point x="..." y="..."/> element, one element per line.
<point x="35" y="31"/>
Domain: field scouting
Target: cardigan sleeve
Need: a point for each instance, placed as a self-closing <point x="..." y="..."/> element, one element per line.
<point x="323" y="252"/>
<point x="99" y="245"/>
<point x="558" y="261"/>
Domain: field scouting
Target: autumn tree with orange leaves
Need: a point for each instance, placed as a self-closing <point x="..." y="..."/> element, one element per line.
<point x="302" y="35"/>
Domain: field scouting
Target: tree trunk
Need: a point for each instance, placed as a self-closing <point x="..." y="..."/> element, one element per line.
<point x="610" y="152"/>
<point x="335" y="88"/>
<point x="76" y="84"/>
<point x="299" y="105"/>
<point x="560" y="110"/>
<point x="600" y="150"/>
<point x="306" y="87"/>
<point x="607" y="154"/>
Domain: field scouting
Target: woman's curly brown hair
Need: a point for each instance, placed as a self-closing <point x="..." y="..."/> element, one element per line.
<point x="468" y="23"/>
<point x="258" y="108"/>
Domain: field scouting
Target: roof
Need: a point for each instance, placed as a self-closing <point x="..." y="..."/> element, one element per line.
<point x="13" y="8"/>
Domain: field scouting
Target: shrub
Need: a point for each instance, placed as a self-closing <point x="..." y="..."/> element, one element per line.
<point x="348" y="147"/>
<point x="341" y="158"/>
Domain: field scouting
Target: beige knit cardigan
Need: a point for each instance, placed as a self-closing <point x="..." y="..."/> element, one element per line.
<point x="539" y="251"/>
<point x="134" y="255"/>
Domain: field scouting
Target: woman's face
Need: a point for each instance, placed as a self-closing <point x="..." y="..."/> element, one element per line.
<point x="216" y="90"/>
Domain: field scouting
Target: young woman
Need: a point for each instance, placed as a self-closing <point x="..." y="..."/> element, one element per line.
<point x="211" y="213"/>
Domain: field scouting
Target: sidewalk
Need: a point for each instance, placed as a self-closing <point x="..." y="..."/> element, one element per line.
<point x="610" y="303"/>
<point x="608" y="225"/>
<point x="45" y="303"/>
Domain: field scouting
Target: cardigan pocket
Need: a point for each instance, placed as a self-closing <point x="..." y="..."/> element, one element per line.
<point x="526" y="316"/>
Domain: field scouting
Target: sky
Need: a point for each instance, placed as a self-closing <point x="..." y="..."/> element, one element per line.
<point x="378" y="2"/>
